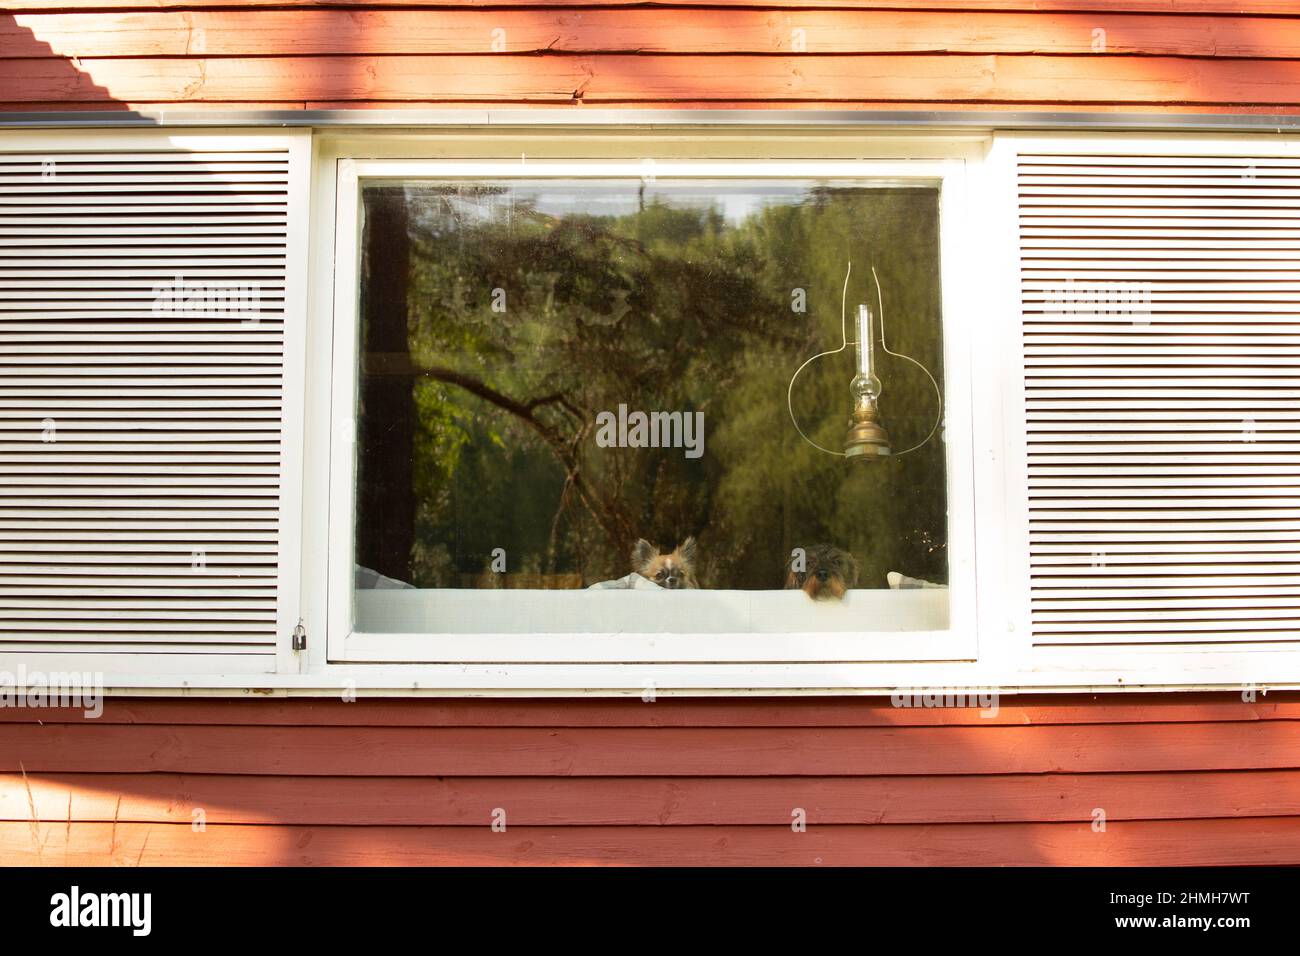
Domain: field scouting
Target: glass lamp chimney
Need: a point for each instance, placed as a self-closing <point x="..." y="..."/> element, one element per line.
<point x="867" y="438"/>
<point x="867" y="352"/>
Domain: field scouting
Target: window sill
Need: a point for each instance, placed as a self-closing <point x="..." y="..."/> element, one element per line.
<point x="700" y="626"/>
<point x="430" y="611"/>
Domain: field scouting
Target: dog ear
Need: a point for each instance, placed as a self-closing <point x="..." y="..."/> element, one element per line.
<point x="643" y="552"/>
<point x="687" y="550"/>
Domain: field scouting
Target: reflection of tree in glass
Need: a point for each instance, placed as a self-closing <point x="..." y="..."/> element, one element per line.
<point x="659" y="305"/>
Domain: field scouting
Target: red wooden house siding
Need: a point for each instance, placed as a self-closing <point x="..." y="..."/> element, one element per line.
<point x="1202" y="55"/>
<point x="1181" y="779"/>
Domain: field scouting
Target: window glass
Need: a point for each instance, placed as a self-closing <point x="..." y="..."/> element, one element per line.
<point x="575" y="383"/>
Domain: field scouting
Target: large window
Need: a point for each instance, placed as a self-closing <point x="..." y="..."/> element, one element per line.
<point x="645" y="404"/>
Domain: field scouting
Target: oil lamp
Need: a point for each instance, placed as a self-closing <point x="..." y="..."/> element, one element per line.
<point x="867" y="438"/>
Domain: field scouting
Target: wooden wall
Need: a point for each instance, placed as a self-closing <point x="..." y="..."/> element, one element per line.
<point x="1197" y="55"/>
<point x="1182" y="779"/>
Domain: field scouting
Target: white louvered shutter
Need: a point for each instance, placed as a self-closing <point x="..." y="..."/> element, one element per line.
<point x="143" y="318"/>
<point x="1161" y="328"/>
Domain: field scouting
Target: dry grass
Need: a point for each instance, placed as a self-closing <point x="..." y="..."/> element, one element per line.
<point x="34" y="824"/>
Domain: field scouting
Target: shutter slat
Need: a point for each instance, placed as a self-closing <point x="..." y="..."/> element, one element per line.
<point x="270" y="316"/>
<point x="1116" y="259"/>
<point x="1182" y="521"/>
<point x="68" y="258"/>
<point x="194" y="536"/>
<point x="1105" y="162"/>
<point x="119" y="608"/>
<point x="126" y="586"/>
<point x="1134" y="505"/>
<point x="1282" y="202"/>
<point x="1120" y="609"/>
<point x="1175" y="244"/>
<point x="1161" y="331"/>
<point x="1155" y="232"/>
<point x="1202" y="618"/>
<point x="1172" y="535"/>
<point x="1151" y="596"/>
<point x="231" y="630"/>
<point x="203" y="652"/>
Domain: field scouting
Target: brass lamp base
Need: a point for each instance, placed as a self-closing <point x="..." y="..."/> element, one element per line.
<point x="867" y="439"/>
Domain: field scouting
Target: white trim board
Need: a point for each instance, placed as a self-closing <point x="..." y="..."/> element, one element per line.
<point x="998" y="652"/>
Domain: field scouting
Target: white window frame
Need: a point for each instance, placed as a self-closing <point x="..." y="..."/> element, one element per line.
<point x="705" y="660"/>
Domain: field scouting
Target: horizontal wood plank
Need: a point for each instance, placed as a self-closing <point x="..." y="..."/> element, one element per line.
<point x="324" y="751"/>
<point x="615" y="79"/>
<point x="1227" y="7"/>
<point x="676" y="712"/>
<point x="1269" y="840"/>
<point x="253" y="32"/>
<point x="476" y="112"/>
<point x="657" y="801"/>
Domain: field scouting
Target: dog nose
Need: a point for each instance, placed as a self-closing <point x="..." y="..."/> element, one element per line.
<point x="822" y="576"/>
<point x="671" y="582"/>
